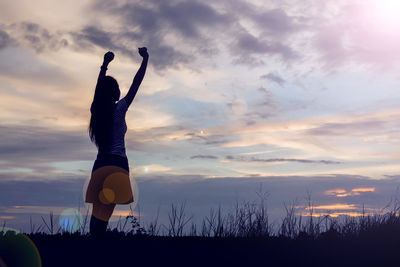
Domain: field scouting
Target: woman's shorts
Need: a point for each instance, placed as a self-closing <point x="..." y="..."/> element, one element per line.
<point x="109" y="182"/>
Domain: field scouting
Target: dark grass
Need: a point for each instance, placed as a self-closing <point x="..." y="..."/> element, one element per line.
<point x="242" y="237"/>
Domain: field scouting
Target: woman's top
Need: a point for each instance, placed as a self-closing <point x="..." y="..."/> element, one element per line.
<point x="119" y="128"/>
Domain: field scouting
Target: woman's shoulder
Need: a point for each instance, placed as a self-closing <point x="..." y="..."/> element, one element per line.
<point x="121" y="105"/>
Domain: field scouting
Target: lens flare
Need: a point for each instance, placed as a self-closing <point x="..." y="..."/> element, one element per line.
<point x="385" y="11"/>
<point x="17" y="249"/>
<point x="70" y="220"/>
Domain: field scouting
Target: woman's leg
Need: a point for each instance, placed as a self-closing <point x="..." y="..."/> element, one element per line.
<point x="101" y="213"/>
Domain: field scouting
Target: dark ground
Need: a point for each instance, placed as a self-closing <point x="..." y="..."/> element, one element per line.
<point x="119" y="250"/>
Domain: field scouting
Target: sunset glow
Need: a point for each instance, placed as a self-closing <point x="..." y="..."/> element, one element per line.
<point x="364" y="189"/>
<point x="334" y="207"/>
<point x="352" y="192"/>
<point x="386" y="11"/>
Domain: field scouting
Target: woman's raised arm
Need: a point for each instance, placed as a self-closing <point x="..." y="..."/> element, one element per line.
<point x="138" y="77"/>
<point x="108" y="57"/>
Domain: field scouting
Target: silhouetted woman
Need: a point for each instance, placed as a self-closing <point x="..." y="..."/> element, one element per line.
<point x="109" y="183"/>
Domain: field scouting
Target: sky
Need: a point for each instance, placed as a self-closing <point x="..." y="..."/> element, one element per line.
<point x="299" y="97"/>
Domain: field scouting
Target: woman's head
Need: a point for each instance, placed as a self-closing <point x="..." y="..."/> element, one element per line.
<point x="110" y="88"/>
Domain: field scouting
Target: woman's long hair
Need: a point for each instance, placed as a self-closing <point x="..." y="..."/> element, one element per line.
<point x="107" y="93"/>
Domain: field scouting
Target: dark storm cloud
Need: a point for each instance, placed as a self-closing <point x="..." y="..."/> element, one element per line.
<point x="274" y="77"/>
<point x="253" y="159"/>
<point x="203" y="157"/>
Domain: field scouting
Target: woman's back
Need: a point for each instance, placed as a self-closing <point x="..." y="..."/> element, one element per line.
<point x="118" y="130"/>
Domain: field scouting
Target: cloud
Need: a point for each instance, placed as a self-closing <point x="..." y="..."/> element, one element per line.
<point x="260" y="110"/>
<point x="32" y="35"/>
<point x="354" y="138"/>
<point x="96" y="36"/>
<point x="274" y="77"/>
<point x="5" y="39"/>
<point x="34" y="147"/>
<point x="251" y="31"/>
<point x="150" y="17"/>
<point x="163" y="56"/>
<point x="273" y="160"/>
<point x="352" y="192"/>
<point x="26" y="67"/>
<point x="209" y="139"/>
<point x="267" y="98"/>
<point x="30" y="151"/>
<point x="355" y="127"/>
<point x="275" y="21"/>
<point x="189" y="17"/>
<point x="203" y="157"/>
<point x="249" y="48"/>
<point x="393" y="176"/>
<point x="260" y="106"/>
<point x="154" y="23"/>
<point x="179" y="32"/>
<point x="37" y="37"/>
